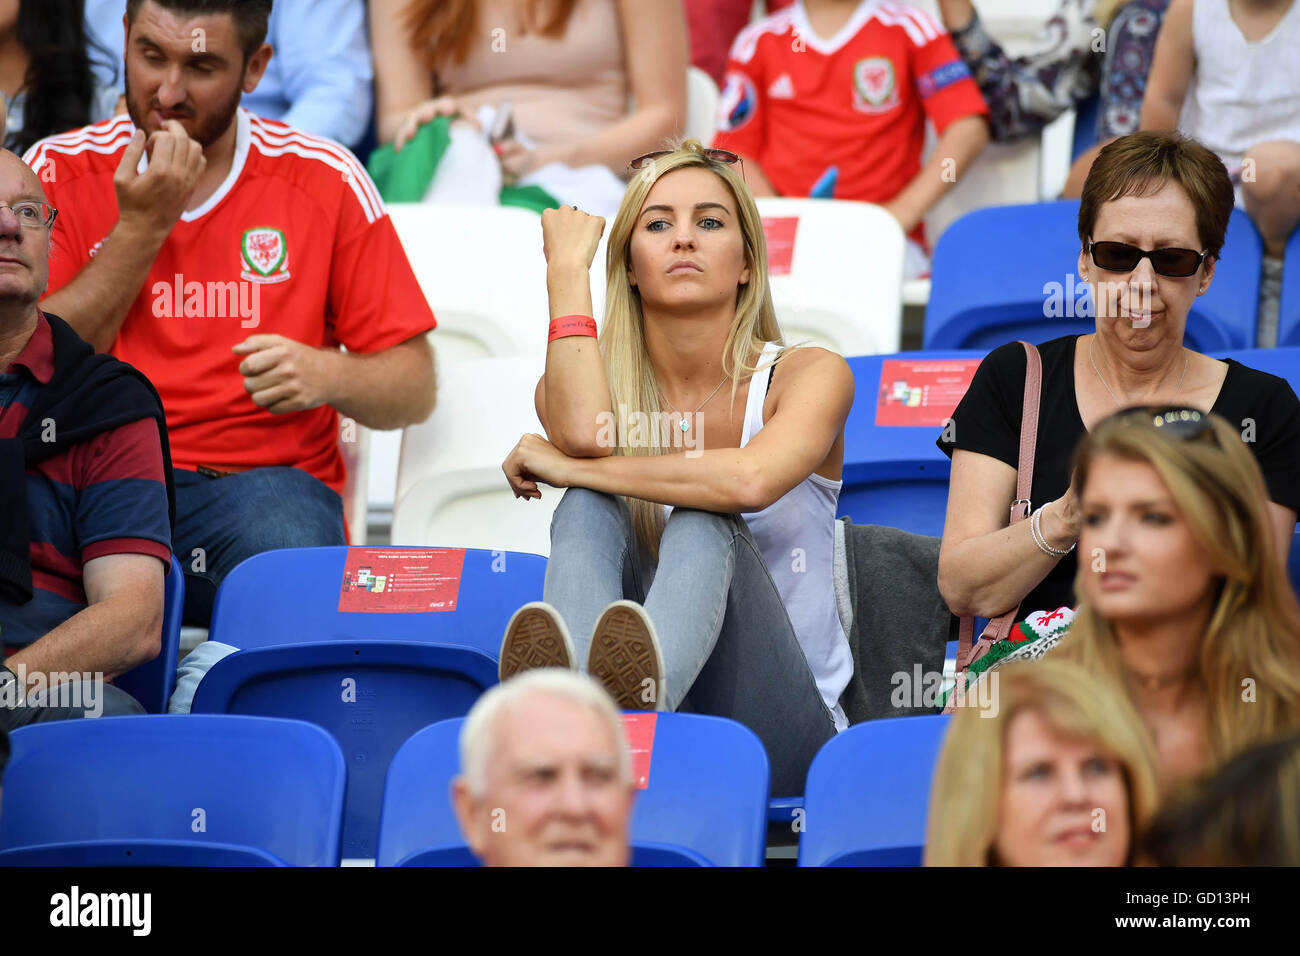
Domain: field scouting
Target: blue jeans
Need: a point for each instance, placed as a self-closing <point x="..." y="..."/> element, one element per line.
<point x="238" y="516"/>
<point x="728" y="646"/>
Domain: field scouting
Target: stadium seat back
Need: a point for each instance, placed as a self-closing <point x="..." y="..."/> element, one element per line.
<point x="482" y="270"/>
<point x="370" y="677"/>
<point x="371" y="696"/>
<point x="1288" y="325"/>
<point x="868" y="793"/>
<point x="894" y="474"/>
<point x="701" y="105"/>
<point x="193" y="789"/>
<point x="152" y="682"/>
<point x="293" y="596"/>
<point x="705" y="804"/>
<point x="450" y="487"/>
<point x="354" y="445"/>
<point x="843" y="287"/>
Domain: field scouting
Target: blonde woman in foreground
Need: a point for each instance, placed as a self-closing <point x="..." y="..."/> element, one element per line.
<point x="1061" y="774"/>
<point x="691" y="554"/>
<point x="1183" y="603"/>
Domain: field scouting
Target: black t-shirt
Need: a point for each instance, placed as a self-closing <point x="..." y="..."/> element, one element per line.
<point x="987" y="421"/>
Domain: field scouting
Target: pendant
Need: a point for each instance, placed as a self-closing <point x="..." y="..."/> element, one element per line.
<point x="684" y="426"/>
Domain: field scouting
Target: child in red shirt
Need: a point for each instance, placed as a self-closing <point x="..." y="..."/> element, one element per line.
<point x="829" y="98"/>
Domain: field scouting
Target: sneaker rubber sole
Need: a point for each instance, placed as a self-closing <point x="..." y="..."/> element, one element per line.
<point x="625" y="657"/>
<point x="535" y="637"/>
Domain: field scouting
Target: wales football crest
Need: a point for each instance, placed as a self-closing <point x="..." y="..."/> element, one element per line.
<point x="265" y="255"/>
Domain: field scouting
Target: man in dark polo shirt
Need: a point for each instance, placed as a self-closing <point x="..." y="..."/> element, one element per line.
<point x="85" y="524"/>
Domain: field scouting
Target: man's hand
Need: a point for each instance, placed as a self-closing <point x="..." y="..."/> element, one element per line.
<point x="154" y="200"/>
<point x="283" y="376"/>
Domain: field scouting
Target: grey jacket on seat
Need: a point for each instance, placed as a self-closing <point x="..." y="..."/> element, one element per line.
<point x="886" y="586"/>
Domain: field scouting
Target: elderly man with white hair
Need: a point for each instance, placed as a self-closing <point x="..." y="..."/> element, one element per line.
<point x="546" y="775"/>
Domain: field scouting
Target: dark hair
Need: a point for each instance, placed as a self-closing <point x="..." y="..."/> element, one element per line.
<point x="1248" y="814"/>
<point x="59" y="86"/>
<point x="1141" y="163"/>
<point x="250" y="16"/>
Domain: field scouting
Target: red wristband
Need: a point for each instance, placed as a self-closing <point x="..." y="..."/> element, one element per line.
<point x="566" y="325"/>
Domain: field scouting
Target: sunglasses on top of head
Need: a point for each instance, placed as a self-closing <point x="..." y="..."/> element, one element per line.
<point x="716" y="155"/>
<point x="1122" y="257"/>
<point x="1178" y="421"/>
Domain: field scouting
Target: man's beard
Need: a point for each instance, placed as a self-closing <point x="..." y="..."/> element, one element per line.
<point x="207" y="132"/>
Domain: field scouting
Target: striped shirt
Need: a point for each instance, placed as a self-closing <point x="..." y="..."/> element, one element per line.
<point x="104" y="496"/>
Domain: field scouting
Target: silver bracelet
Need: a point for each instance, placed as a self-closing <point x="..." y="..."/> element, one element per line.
<point x="1036" y="530"/>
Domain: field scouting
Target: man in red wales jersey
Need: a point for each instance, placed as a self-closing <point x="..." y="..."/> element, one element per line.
<point x="228" y="257"/>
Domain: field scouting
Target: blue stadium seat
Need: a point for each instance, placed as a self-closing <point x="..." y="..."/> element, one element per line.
<point x="166" y="790"/>
<point x="705" y="804"/>
<point x="868" y="793"/>
<point x="1085" y="126"/>
<point x="1288" y="321"/>
<point x="1009" y="272"/>
<point x="371" y="679"/>
<point x="894" y="475"/>
<point x="153" y="681"/>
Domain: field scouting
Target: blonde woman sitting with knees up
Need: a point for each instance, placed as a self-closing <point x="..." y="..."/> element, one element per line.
<point x="691" y="555"/>
<point x="1183" y="604"/>
<point x="1060" y="774"/>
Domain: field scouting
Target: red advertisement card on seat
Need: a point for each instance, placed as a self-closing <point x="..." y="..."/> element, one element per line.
<point x="389" y="581"/>
<point x="780" y="231"/>
<point x="922" y="393"/>
<point x="640" y="730"/>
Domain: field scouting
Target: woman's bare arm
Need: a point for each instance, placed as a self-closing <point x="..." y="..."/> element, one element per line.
<point x="402" y="79"/>
<point x="986" y="565"/>
<point x="573" y="396"/>
<point x="794" y="442"/>
<point x="654" y="38"/>
<point x="1172" y="66"/>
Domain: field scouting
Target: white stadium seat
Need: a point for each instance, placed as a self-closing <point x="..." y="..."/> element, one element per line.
<point x="843" y="289"/>
<point x="701" y="105"/>
<point x="483" y="272"/>
<point x="451" y="491"/>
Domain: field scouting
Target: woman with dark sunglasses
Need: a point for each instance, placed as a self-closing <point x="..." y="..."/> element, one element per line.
<point x="1182" y="607"/>
<point x="1152" y="221"/>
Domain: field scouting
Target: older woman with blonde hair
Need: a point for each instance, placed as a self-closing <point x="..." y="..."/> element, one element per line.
<point x="1151" y="226"/>
<point x="691" y="555"/>
<point x="1184" y="606"/>
<point x="1059" y="774"/>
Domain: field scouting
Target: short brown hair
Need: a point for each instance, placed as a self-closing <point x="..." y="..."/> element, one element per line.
<point x="250" y="16"/>
<point x="1142" y="163"/>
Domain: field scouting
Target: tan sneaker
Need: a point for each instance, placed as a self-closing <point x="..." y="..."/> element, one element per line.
<point x="625" y="657"/>
<point x="535" y="637"/>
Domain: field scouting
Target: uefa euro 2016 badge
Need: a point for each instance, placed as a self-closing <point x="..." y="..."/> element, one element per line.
<point x="875" y="89"/>
<point x="265" y="255"/>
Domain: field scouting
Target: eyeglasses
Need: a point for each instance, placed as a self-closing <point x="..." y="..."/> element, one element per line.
<point x="716" y="155"/>
<point x="33" y="215"/>
<point x="1121" y="257"/>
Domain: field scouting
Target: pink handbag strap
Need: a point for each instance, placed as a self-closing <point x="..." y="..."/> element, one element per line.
<point x="999" y="627"/>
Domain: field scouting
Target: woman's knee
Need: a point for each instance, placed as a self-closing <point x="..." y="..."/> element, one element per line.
<point x="1271" y="173"/>
<point x="580" y="503"/>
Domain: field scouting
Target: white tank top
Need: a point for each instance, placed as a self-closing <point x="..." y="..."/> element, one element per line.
<point x="796" y="536"/>
<point x="1242" y="93"/>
